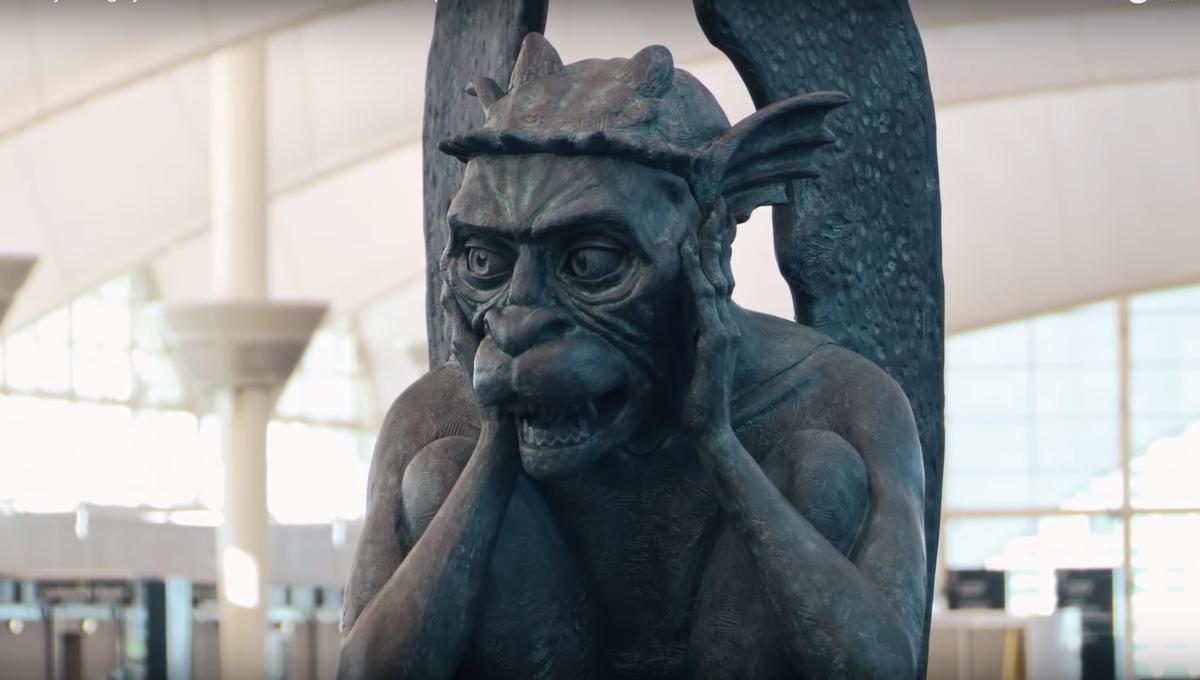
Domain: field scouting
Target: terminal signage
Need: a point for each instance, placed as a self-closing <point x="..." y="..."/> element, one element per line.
<point x="975" y="589"/>
<point x="85" y="592"/>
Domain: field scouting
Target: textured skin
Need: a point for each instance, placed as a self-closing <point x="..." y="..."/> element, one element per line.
<point x="632" y="571"/>
<point x="470" y="39"/>
<point x="862" y="249"/>
<point x="623" y="473"/>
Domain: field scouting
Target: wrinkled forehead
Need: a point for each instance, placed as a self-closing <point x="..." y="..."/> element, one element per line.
<point x="529" y="192"/>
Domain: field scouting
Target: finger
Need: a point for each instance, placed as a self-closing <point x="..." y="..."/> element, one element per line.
<point x="710" y="330"/>
<point x="453" y="312"/>
<point x="725" y="229"/>
<point x="713" y="250"/>
<point x="727" y="255"/>
<point x="693" y="269"/>
<point x="462" y="340"/>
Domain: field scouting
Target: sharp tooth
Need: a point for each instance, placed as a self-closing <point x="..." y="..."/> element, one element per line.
<point x="589" y="410"/>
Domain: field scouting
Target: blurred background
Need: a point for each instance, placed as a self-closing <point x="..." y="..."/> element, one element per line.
<point x="1069" y="142"/>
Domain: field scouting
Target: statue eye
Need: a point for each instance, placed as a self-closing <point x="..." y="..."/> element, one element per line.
<point x="486" y="263"/>
<point x="593" y="262"/>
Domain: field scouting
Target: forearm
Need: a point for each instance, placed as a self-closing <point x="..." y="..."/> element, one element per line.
<point x="834" y="621"/>
<point x="419" y="622"/>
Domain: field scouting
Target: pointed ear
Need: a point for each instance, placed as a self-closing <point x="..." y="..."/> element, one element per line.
<point x="752" y="163"/>
<point x="486" y="90"/>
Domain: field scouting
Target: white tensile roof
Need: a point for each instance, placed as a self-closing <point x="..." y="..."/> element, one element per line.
<point x="1069" y="143"/>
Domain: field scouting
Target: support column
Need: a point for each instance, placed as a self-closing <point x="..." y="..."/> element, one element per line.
<point x="243" y="583"/>
<point x="239" y="272"/>
<point x="239" y="354"/>
<point x="238" y="172"/>
<point x="240" y="350"/>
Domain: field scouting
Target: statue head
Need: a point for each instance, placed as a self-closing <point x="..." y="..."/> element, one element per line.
<point x="563" y="250"/>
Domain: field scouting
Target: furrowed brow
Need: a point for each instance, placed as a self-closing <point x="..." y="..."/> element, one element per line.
<point x="461" y="226"/>
<point x="606" y="216"/>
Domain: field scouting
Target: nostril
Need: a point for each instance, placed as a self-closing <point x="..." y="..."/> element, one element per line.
<point x="516" y="329"/>
<point x="555" y="327"/>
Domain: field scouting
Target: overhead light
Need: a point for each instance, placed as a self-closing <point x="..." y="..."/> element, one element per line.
<point x="16" y="626"/>
<point x="240" y="577"/>
<point x="81" y="522"/>
<point x="337" y="532"/>
<point x="197" y="518"/>
<point x="88" y="626"/>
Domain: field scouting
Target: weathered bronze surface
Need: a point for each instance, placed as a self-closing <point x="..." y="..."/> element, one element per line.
<point x="621" y="472"/>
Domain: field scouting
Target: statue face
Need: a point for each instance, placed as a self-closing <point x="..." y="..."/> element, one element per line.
<point x="567" y="268"/>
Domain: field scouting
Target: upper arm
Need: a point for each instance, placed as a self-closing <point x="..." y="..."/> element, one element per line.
<point x="878" y="422"/>
<point x="423" y="420"/>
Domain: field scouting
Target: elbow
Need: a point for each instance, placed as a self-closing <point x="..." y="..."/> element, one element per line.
<point x="879" y="652"/>
<point x="891" y="659"/>
<point x="350" y="662"/>
<point x="354" y="660"/>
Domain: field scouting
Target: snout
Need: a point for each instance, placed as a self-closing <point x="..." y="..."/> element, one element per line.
<point x="569" y="368"/>
<point x="573" y="398"/>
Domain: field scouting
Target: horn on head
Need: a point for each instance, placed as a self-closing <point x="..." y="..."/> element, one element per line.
<point x="651" y="71"/>
<point x="537" y="58"/>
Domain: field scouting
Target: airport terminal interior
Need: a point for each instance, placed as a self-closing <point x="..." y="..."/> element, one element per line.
<point x="1069" y="153"/>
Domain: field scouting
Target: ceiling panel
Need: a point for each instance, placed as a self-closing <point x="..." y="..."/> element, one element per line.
<point x="1041" y="162"/>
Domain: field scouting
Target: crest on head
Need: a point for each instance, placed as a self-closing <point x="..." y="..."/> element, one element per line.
<point x="645" y="110"/>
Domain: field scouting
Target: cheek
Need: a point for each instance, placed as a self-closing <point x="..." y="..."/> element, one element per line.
<point x="657" y="297"/>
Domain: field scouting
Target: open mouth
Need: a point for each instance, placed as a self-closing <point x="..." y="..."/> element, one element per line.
<point x="553" y="425"/>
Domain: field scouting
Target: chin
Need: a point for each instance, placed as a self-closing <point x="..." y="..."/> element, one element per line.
<point x="563" y="438"/>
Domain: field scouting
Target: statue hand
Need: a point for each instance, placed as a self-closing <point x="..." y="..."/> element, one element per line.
<point x="463" y="345"/>
<point x="705" y="259"/>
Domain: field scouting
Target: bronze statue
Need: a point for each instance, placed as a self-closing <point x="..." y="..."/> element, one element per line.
<point x="624" y="473"/>
<point x="620" y="472"/>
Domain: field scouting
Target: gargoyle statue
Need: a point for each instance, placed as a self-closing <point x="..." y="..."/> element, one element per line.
<point x="624" y="473"/>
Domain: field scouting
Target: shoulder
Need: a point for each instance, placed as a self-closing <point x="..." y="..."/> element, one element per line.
<point x="437" y="406"/>
<point x="806" y="377"/>
<point x="860" y="400"/>
<point x="771" y="358"/>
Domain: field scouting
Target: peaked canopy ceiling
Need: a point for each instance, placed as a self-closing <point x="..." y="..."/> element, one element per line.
<point x="1069" y="141"/>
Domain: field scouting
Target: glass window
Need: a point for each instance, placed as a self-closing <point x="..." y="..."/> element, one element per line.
<point x="1084" y="335"/>
<point x="1167" y="474"/>
<point x="329" y="385"/>
<point x="1004" y="345"/>
<point x="1166" y="595"/>
<point x="316" y="474"/>
<point x="1034" y="425"/>
<point x="157" y="380"/>
<point x="1033" y="421"/>
<point x="1164" y="335"/>
<point x="38" y="357"/>
<point x="1029" y="550"/>
<point x="992" y="393"/>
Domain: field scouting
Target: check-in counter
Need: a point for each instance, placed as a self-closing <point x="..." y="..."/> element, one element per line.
<point x="994" y="645"/>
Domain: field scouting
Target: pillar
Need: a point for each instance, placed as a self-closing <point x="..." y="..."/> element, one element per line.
<point x="238" y="173"/>
<point x="239" y="350"/>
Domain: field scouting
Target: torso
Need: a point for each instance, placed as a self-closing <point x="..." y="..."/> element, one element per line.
<point x="631" y="572"/>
